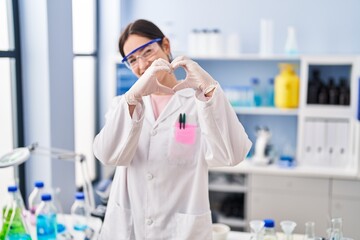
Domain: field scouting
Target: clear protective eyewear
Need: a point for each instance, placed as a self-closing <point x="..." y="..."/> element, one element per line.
<point x="145" y="51"/>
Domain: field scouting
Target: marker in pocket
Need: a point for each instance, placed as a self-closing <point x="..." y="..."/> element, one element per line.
<point x="182" y="120"/>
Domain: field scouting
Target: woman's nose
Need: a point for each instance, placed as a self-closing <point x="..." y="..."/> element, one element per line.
<point x="143" y="63"/>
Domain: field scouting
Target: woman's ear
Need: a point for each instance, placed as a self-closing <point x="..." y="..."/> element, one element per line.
<point x="165" y="44"/>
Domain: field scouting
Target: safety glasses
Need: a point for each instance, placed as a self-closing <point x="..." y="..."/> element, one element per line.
<point x="145" y="51"/>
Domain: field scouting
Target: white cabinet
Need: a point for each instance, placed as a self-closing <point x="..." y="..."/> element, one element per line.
<point x="328" y="131"/>
<point x="290" y="198"/>
<point x="228" y="198"/>
<point x="345" y="203"/>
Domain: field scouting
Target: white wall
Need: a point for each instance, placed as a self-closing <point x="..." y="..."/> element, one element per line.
<point x="323" y="26"/>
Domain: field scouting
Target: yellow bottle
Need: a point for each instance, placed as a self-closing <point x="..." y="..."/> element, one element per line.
<point x="286" y="87"/>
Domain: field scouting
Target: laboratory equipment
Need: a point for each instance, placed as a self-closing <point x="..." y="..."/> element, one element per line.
<point x="287" y="87"/>
<point x="257" y="227"/>
<point x="263" y="136"/>
<point x="288" y="228"/>
<point x="309" y="231"/>
<point x="336" y="229"/>
<point x="20" y="155"/>
<point x="314" y="86"/>
<point x="79" y="212"/>
<point x="269" y="229"/>
<point x="266" y="37"/>
<point x="291" y="46"/>
<point x="269" y="93"/>
<point x="220" y="231"/>
<point x="35" y="200"/>
<point x="14" y="223"/>
<point x="46" y="223"/>
<point x="255" y="84"/>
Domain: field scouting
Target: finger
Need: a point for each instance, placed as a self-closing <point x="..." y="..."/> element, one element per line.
<point x="164" y="89"/>
<point x="182" y="85"/>
<point x="179" y="58"/>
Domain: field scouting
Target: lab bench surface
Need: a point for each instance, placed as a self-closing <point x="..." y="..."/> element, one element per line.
<point x="247" y="236"/>
<point x="298" y="171"/>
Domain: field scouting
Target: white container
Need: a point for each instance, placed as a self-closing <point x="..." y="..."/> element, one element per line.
<point x="220" y="231"/>
<point x="215" y="43"/>
<point x="291" y="46"/>
<point x="193" y="42"/>
<point x="233" y="45"/>
<point x="203" y="43"/>
<point x="266" y="37"/>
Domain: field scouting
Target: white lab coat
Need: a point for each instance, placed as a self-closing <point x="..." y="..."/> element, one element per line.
<point x="160" y="189"/>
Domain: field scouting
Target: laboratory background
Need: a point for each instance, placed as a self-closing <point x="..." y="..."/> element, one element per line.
<point x="290" y="69"/>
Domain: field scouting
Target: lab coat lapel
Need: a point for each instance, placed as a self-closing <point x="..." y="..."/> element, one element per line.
<point x="149" y="113"/>
<point x="173" y="105"/>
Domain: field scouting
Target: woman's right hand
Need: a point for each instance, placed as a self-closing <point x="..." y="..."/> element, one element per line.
<point x="148" y="83"/>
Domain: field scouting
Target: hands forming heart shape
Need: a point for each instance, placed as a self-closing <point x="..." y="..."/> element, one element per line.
<point x="196" y="78"/>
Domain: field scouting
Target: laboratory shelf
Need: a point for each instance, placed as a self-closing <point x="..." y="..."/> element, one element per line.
<point x="266" y="111"/>
<point x="328" y="111"/>
<point x="227" y="188"/>
<point x="248" y="57"/>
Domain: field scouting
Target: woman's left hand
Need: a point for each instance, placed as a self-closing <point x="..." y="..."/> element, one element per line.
<point x="196" y="77"/>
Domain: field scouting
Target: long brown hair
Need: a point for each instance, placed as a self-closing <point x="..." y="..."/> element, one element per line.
<point x="142" y="28"/>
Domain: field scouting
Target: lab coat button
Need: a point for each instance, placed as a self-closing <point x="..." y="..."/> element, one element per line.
<point x="149" y="221"/>
<point x="149" y="176"/>
<point x="153" y="132"/>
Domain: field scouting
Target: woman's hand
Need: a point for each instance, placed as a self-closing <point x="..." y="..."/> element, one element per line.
<point x="148" y="83"/>
<point x="196" y="77"/>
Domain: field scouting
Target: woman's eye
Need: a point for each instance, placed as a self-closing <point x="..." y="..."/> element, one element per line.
<point x="132" y="60"/>
<point x="147" y="52"/>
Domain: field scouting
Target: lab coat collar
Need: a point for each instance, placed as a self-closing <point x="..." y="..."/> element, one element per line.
<point x="173" y="105"/>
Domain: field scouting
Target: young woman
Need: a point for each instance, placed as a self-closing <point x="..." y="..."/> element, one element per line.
<point x="164" y="135"/>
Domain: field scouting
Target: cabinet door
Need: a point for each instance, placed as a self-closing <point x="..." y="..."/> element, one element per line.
<point x="290" y="198"/>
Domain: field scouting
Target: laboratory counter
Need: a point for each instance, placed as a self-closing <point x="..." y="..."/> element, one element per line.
<point x="296" y="171"/>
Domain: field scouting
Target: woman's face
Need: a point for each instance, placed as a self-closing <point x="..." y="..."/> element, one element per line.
<point x="142" y="59"/>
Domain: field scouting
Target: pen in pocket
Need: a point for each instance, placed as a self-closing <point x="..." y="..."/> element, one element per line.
<point x="182" y="120"/>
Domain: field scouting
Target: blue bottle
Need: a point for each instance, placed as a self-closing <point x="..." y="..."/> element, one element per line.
<point x="46" y="223"/>
<point x="255" y="84"/>
<point x="270" y="93"/>
<point x="79" y="212"/>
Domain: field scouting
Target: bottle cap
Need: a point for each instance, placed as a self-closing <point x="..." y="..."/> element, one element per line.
<point x="39" y="184"/>
<point x="79" y="196"/>
<point x="46" y="197"/>
<point x="269" y="223"/>
<point x="255" y="80"/>
<point x="12" y="188"/>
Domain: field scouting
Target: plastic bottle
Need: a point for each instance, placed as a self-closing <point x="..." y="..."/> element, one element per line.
<point x="291" y="47"/>
<point x="269" y="229"/>
<point x="46" y="223"/>
<point x="314" y="86"/>
<point x="255" y="83"/>
<point x="79" y="212"/>
<point x="269" y="94"/>
<point x="344" y="94"/>
<point x="333" y="92"/>
<point x="35" y="200"/>
<point x="14" y="224"/>
<point x="287" y="87"/>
